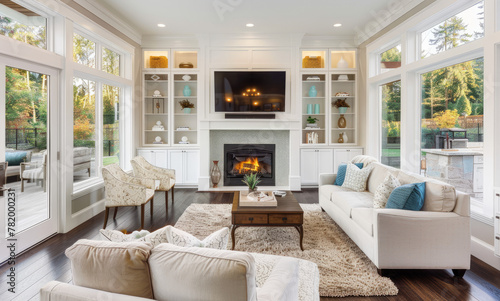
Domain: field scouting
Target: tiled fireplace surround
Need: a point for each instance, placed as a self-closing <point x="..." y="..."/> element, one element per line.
<point x="276" y="132"/>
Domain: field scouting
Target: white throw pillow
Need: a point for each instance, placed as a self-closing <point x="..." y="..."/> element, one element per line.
<point x="384" y="190"/>
<point x="355" y="178"/>
<point x="217" y="240"/>
<point x="169" y="234"/>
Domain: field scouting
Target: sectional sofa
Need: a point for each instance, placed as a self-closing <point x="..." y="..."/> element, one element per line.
<point x="437" y="237"/>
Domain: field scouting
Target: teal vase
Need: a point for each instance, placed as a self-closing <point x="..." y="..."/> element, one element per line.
<point x="186" y="91"/>
<point x="313" y="92"/>
<point x="187" y="110"/>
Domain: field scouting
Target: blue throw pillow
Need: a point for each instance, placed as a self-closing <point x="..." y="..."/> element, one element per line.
<point x="15" y="158"/>
<point x="408" y="197"/>
<point x="341" y="173"/>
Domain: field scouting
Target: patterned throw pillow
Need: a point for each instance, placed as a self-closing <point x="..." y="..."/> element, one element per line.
<point x="408" y="197"/>
<point x="169" y="234"/>
<point x="384" y="190"/>
<point x="355" y="178"/>
<point x="217" y="240"/>
<point x="339" y="180"/>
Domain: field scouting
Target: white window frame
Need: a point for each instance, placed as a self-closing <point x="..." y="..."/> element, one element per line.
<point x="101" y="77"/>
<point x="409" y="33"/>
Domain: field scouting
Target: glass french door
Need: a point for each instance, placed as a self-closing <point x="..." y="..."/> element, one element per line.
<point x="29" y="144"/>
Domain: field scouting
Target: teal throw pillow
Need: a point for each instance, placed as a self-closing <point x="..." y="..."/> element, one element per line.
<point x="407" y="197"/>
<point x="341" y="173"/>
<point x="15" y="158"/>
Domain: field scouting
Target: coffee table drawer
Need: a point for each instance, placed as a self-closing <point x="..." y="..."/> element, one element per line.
<point x="285" y="218"/>
<point x="248" y="219"/>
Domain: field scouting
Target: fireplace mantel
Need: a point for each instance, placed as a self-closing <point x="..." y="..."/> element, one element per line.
<point x="250" y="124"/>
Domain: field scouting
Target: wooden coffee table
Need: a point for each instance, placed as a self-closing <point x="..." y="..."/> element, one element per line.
<point x="288" y="213"/>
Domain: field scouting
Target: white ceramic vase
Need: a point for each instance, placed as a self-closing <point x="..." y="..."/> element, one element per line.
<point x="342" y="64"/>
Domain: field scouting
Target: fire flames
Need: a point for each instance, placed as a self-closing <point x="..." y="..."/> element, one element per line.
<point x="250" y="165"/>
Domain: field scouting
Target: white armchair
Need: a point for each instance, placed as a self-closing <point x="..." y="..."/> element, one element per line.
<point x="166" y="177"/>
<point x="34" y="171"/>
<point x="124" y="190"/>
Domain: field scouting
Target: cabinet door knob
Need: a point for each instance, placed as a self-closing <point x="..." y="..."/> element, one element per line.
<point x="497" y="237"/>
<point x="497" y="217"/>
<point x="284" y="219"/>
<point x="250" y="219"/>
<point x="348" y="150"/>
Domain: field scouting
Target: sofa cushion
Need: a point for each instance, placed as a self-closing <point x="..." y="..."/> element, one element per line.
<point x="341" y="171"/>
<point x="202" y="274"/>
<point x="326" y="191"/>
<point x="355" y="178"/>
<point x="15" y="158"/>
<point x="439" y="196"/>
<point x="384" y="190"/>
<point x="366" y="160"/>
<point x="408" y="197"/>
<point x="120" y="268"/>
<point x="348" y="200"/>
<point x="378" y="174"/>
<point x="364" y="218"/>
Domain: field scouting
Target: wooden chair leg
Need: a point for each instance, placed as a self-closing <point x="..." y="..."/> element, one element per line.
<point x="172" y="195"/>
<point x="106" y="217"/>
<point x="116" y="211"/>
<point x="166" y="202"/>
<point x="151" y="205"/>
<point x="142" y="217"/>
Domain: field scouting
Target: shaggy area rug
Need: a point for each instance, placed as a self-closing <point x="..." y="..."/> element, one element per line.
<point x="344" y="268"/>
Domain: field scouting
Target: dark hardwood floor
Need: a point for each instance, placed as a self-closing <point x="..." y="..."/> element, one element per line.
<point x="47" y="261"/>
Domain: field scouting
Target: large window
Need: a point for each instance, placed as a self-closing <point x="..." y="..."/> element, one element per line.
<point x="84" y="51"/>
<point x="452" y="119"/>
<point x="23" y="24"/>
<point x="111" y="124"/>
<point x="391" y="123"/>
<point x="84" y="129"/>
<point x="110" y="61"/>
<point x="458" y="30"/>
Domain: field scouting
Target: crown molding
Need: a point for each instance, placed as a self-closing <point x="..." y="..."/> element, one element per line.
<point x="109" y="17"/>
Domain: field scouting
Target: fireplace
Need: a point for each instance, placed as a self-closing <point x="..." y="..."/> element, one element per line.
<point x="241" y="159"/>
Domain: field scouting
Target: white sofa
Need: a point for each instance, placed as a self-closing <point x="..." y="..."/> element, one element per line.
<point x="437" y="237"/>
<point x="137" y="271"/>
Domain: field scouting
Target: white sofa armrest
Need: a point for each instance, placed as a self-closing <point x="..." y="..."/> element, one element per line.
<point x="59" y="291"/>
<point x="327" y="178"/>
<point x="421" y="239"/>
<point x="283" y="283"/>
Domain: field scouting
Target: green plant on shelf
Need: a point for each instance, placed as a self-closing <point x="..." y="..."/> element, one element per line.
<point x="312" y="119"/>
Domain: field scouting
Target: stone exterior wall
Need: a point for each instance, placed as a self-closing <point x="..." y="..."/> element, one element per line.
<point x="455" y="170"/>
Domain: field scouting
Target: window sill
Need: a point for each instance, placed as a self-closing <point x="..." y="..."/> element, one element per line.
<point x="86" y="187"/>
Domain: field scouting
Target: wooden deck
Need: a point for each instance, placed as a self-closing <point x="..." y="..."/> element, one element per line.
<point x="47" y="261"/>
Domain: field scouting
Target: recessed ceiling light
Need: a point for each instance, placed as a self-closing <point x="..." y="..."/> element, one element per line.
<point x="250" y="25"/>
<point x="337" y="25"/>
<point x="161" y="25"/>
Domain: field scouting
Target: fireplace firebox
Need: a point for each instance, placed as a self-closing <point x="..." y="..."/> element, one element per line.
<point x="242" y="159"/>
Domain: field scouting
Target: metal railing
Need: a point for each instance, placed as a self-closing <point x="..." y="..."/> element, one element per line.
<point x="25" y="138"/>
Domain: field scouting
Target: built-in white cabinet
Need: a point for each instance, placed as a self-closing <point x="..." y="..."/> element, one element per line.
<point x="313" y="162"/>
<point x="157" y="157"/>
<point x="497" y="222"/>
<point x="344" y="155"/>
<point x="186" y="164"/>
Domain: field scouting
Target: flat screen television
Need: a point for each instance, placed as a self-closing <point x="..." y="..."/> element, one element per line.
<point x="250" y="91"/>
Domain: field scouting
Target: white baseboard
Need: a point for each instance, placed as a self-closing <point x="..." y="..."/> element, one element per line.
<point x="484" y="252"/>
<point x="295" y="184"/>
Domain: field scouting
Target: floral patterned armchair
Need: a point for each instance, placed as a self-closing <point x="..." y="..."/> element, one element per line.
<point x="166" y="177"/>
<point x="124" y="190"/>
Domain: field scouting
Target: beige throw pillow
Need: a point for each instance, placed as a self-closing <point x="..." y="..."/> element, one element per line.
<point x="384" y="190"/>
<point x="202" y="274"/>
<point x="355" y="178"/>
<point x="120" y="268"/>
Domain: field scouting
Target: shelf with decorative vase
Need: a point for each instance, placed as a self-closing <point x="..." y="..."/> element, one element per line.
<point x="185" y="120"/>
<point x="314" y="108"/>
<point x="155" y="117"/>
<point x="342" y="59"/>
<point x="343" y="108"/>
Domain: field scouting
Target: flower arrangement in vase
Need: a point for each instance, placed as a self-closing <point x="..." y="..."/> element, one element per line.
<point x="186" y="105"/>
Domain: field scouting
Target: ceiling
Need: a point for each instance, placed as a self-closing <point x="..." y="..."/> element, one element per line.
<point x="311" y="17"/>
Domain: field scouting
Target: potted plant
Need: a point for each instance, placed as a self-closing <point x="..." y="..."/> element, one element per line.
<point x="342" y="105"/>
<point x="186" y="105"/>
<point x="251" y="180"/>
<point x="311" y="121"/>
